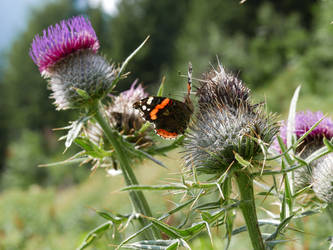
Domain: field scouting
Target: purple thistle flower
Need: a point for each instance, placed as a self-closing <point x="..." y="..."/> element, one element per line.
<point x="121" y="113"/>
<point x="303" y="123"/>
<point x="66" y="55"/>
<point x="61" y="40"/>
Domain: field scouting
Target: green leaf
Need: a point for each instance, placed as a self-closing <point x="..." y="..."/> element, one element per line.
<point x="130" y="147"/>
<point x="241" y="160"/>
<point x="284" y="150"/>
<point x="178" y="233"/>
<point x="124" y="64"/>
<point x="280" y="227"/>
<point x="161" y="88"/>
<point x="67" y="162"/>
<point x="176" y="209"/>
<point x="309" y="131"/>
<point x="111" y="217"/>
<point x="129" y="58"/>
<point x="301" y="161"/>
<point x="291" y="117"/>
<point x="273" y="243"/>
<point x="84" y="94"/>
<point x="90" y="148"/>
<point x="214" y="216"/>
<point x="175" y="186"/>
<point x="162" y="150"/>
<point x="260" y="222"/>
<point x="94" y="234"/>
<point x="155" y="244"/>
<point x="328" y="144"/>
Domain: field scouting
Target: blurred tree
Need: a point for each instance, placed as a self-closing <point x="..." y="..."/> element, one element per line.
<point x="317" y="63"/>
<point x="162" y="20"/>
<point x="257" y="37"/>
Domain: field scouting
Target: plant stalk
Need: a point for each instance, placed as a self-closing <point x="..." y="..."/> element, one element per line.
<point x="248" y="208"/>
<point x="137" y="198"/>
<point x="329" y="210"/>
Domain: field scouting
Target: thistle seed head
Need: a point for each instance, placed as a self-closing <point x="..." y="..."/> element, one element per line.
<point x="226" y="123"/>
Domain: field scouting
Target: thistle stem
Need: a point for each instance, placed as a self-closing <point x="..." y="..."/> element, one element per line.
<point x="248" y="208"/>
<point x="138" y="200"/>
<point x="329" y="210"/>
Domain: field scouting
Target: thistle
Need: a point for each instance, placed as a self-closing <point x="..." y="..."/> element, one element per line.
<point x="313" y="141"/>
<point x="226" y="123"/>
<point x="66" y="54"/>
<point x="123" y="117"/>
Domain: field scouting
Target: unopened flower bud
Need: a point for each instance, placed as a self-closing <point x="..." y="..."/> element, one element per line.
<point x="226" y="123"/>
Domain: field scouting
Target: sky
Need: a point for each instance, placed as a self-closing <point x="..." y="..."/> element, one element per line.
<point x="15" y="13"/>
<point x="109" y="6"/>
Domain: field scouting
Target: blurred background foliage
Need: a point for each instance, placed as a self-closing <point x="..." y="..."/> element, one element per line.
<point x="272" y="45"/>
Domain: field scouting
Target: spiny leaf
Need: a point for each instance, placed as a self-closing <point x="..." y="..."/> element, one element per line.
<point x="280" y="227"/>
<point x="75" y="129"/>
<point x="139" y="153"/>
<point x="291" y="117"/>
<point x="95" y="233"/>
<point x="111" y="217"/>
<point x="241" y="160"/>
<point x="175" y="186"/>
<point x="328" y="144"/>
<point x="161" y="88"/>
<point x="176" y="209"/>
<point x="90" y="148"/>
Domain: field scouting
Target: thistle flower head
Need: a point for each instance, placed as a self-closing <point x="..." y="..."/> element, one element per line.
<point x="66" y="55"/>
<point x="122" y="114"/>
<point x="322" y="179"/>
<point x="303" y="123"/>
<point x="123" y="117"/>
<point x="62" y="39"/>
<point x="226" y="123"/>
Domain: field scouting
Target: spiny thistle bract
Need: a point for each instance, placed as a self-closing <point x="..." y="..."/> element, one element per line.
<point x="304" y="121"/>
<point x="66" y="54"/>
<point x="226" y="123"/>
<point x="123" y="117"/>
<point x="322" y="179"/>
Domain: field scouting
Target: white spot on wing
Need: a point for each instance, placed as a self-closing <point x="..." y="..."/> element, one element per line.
<point x="150" y="99"/>
<point x="144" y="107"/>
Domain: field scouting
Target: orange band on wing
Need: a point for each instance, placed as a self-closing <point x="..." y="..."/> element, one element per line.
<point x="166" y="134"/>
<point x="153" y="113"/>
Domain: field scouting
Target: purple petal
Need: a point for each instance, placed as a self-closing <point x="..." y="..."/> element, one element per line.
<point x="61" y="40"/>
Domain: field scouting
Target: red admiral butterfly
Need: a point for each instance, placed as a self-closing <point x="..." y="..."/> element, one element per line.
<point x="170" y="117"/>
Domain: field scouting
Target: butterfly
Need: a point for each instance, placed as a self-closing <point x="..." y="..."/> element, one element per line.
<point x="169" y="116"/>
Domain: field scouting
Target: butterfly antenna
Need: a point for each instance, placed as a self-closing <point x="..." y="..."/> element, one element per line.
<point x="189" y="79"/>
